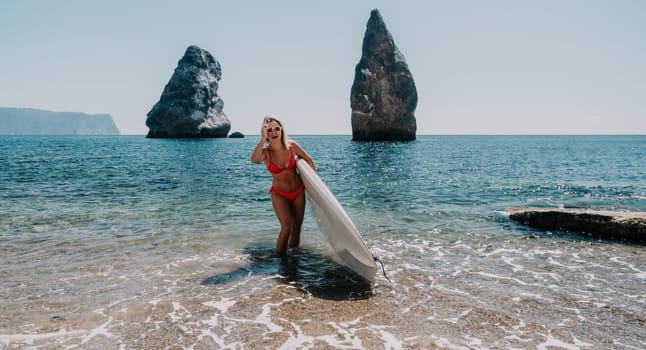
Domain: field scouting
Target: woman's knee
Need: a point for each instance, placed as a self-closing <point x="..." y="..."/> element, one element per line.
<point x="286" y="228"/>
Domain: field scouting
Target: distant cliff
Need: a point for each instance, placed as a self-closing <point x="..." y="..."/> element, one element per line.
<point x="28" y="121"/>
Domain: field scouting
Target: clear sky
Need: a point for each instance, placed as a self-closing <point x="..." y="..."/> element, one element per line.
<point x="481" y="67"/>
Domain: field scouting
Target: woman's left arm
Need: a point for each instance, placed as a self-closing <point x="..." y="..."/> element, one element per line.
<point x="299" y="151"/>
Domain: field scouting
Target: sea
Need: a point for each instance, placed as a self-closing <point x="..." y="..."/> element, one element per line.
<point x="124" y="242"/>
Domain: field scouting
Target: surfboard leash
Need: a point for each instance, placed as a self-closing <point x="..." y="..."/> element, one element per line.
<point x="382" y="268"/>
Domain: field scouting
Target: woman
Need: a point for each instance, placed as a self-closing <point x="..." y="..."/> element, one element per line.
<point x="279" y="154"/>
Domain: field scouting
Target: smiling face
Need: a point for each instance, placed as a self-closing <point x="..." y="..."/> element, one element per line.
<point x="274" y="131"/>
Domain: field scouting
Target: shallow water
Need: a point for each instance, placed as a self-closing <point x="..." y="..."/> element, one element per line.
<point x="131" y="243"/>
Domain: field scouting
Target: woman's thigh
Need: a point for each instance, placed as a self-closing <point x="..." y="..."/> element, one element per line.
<point x="298" y="208"/>
<point x="283" y="210"/>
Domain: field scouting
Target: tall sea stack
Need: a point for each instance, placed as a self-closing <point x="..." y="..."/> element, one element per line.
<point x="190" y="105"/>
<point x="383" y="96"/>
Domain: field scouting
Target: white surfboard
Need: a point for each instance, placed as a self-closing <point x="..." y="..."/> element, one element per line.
<point x="336" y="224"/>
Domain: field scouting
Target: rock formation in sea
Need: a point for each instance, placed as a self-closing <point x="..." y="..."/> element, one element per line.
<point x="236" y="135"/>
<point x="29" y="121"/>
<point x="615" y="225"/>
<point x="189" y="105"/>
<point x="383" y="97"/>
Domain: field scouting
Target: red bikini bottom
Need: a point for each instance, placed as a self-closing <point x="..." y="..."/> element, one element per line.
<point x="290" y="196"/>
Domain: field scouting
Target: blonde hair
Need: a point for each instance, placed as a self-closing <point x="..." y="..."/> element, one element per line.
<point x="284" y="139"/>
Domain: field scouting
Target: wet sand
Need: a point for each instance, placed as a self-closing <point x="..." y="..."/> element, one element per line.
<point x="261" y="302"/>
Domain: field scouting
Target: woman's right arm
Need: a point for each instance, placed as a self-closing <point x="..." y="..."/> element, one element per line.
<point x="258" y="154"/>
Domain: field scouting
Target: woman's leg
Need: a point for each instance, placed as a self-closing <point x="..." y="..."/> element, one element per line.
<point x="283" y="210"/>
<point x="298" y="212"/>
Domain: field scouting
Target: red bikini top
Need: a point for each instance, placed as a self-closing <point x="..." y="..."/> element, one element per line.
<point x="275" y="169"/>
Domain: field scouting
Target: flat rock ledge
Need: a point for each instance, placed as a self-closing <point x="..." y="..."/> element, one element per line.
<point x="605" y="224"/>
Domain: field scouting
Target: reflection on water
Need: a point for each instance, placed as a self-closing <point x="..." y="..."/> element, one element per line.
<point x="306" y="269"/>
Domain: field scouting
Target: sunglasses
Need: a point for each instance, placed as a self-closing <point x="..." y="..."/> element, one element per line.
<point x="275" y="128"/>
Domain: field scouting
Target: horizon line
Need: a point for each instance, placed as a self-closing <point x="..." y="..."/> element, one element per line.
<point x="350" y="135"/>
<point x="458" y="134"/>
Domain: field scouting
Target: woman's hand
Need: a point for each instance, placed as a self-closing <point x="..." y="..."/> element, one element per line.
<point x="258" y="154"/>
<point x="263" y="131"/>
